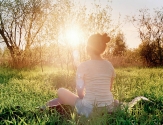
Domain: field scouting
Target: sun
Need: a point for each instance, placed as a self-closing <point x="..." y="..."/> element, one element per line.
<point x="73" y="36"/>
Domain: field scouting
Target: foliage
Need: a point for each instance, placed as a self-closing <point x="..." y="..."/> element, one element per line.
<point x="74" y="15"/>
<point x="22" y="91"/>
<point x="31" y="28"/>
<point x="120" y="45"/>
<point x="151" y="34"/>
<point x="20" y="24"/>
<point x="1" y="52"/>
<point x="130" y="58"/>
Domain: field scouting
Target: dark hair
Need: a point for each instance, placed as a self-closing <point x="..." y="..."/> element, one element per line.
<point x="97" y="43"/>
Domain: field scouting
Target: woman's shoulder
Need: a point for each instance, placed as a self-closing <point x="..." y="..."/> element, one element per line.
<point x="82" y="66"/>
<point x="107" y="61"/>
<point x="84" y="63"/>
<point x="90" y="62"/>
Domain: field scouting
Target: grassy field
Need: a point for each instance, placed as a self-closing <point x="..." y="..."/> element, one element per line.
<point x="22" y="91"/>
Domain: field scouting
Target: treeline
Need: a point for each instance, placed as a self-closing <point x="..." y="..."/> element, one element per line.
<point x="33" y="33"/>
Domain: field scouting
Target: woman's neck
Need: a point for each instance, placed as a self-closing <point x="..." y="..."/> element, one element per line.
<point x="96" y="57"/>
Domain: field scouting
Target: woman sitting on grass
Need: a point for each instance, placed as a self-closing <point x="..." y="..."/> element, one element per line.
<point x="94" y="79"/>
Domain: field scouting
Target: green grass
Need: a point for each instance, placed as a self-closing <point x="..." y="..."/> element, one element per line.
<point x="22" y="91"/>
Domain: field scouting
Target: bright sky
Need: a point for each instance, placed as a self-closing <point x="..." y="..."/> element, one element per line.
<point x="126" y="8"/>
<point x="129" y="7"/>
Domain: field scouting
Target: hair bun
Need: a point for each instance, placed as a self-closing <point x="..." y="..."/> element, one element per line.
<point x="105" y="38"/>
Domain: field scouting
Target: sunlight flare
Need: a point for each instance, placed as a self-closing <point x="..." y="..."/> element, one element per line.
<point x="73" y="36"/>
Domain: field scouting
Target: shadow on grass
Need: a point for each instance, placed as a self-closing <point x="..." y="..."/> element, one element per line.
<point x="142" y="112"/>
<point x="17" y="115"/>
<point x="7" y="74"/>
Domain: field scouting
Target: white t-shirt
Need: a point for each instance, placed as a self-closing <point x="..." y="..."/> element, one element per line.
<point x="97" y="76"/>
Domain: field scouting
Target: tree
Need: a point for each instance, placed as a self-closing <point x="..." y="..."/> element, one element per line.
<point x="1" y="52"/>
<point x="150" y="30"/>
<point x="97" y="20"/>
<point x="27" y="25"/>
<point x="20" y="23"/>
<point x="120" y="45"/>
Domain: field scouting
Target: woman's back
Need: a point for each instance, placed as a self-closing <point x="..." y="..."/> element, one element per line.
<point x="97" y="76"/>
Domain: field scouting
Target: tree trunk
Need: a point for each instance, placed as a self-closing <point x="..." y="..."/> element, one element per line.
<point x="20" y="58"/>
